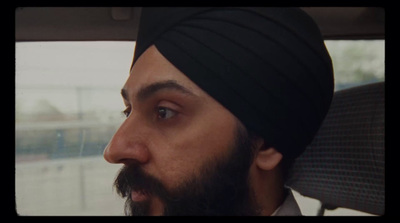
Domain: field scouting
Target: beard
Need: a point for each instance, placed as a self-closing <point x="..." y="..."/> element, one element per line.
<point x="221" y="187"/>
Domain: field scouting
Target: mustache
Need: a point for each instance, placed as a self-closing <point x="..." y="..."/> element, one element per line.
<point x="132" y="178"/>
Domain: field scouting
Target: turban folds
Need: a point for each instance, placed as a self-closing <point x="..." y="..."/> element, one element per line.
<point x="268" y="66"/>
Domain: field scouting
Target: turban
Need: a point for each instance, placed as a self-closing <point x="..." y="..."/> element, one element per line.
<point x="268" y="66"/>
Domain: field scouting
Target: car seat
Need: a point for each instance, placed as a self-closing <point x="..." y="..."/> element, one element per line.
<point x="344" y="166"/>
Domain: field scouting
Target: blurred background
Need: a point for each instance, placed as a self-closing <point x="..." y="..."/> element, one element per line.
<point x="68" y="106"/>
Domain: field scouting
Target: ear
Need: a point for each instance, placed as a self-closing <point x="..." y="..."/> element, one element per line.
<point x="267" y="158"/>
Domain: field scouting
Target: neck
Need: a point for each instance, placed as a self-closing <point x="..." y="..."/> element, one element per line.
<point x="268" y="190"/>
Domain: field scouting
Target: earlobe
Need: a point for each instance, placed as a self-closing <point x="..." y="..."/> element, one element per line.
<point x="268" y="158"/>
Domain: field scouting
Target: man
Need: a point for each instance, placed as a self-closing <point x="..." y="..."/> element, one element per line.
<point x="219" y="102"/>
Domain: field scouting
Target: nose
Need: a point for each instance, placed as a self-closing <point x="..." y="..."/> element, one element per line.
<point x="127" y="144"/>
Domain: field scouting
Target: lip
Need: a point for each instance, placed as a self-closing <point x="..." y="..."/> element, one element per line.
<point x="139" y="195"/>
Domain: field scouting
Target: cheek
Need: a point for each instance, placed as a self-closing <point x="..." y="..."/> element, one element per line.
<point x="208" y="137"/>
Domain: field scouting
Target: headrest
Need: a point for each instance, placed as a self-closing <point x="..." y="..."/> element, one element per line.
<point x="345" y="164"/>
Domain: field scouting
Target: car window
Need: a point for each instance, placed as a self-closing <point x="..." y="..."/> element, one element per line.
<point x="357" y="62"/>
<point x="68" y="106"/>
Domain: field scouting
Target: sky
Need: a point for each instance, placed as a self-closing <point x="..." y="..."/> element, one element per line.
<point x="53" y="71"/>
<point x="73" y="63"/>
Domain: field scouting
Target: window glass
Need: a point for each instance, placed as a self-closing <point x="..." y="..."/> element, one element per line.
<point x="357" y="62"/>
<point x="68" y="107"/>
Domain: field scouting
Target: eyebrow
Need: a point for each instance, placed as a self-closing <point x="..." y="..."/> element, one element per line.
<point x="147" y="91"/>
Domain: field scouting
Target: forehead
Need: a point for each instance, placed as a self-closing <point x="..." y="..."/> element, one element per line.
<point x="152" y="67"/>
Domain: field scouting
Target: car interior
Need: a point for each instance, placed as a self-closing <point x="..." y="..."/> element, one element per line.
<point x="344" y="167"/>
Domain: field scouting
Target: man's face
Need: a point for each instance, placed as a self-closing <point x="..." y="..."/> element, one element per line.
<point x="183" y="152"/>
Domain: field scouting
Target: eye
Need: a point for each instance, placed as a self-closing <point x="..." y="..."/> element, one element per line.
<point x="165" y="113"/>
